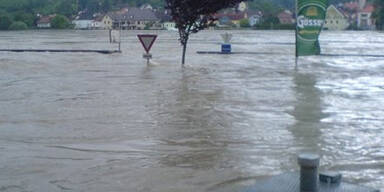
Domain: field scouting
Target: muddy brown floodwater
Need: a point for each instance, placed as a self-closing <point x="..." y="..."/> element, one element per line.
<point x="93" y="122"/>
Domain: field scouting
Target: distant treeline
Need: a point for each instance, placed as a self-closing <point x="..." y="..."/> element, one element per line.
<point x="24" y="13"/>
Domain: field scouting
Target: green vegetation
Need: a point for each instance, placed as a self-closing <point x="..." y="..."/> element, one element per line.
<point x="18" y="25"/>
<point x="60" y="22"/>
<point x="379" y="14"/>
<point x="244" y="23"/>
<point x="5" y="22"/>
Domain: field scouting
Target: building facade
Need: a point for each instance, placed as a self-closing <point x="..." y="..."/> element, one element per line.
<point x="365" y="21"/>
<point x="335" y="19"/>
<point x="286" y="17"/>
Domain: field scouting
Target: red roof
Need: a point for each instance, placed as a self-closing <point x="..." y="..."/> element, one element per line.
<point x="45" y="19"/>
<point x="369" y="9"/>
<point x="352" y="5"/>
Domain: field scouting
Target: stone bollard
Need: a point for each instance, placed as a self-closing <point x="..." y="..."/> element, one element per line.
<point x="309" y="173"/>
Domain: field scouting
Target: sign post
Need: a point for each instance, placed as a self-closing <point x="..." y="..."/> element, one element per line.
<point x="115" y="37"/>
<point x="226" y="47"/>
<point x="147" y="41"/>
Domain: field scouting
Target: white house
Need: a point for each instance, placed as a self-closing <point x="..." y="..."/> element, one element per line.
<point x="365" y="20"/>
<point x="146" y="6"/>
<point x="45" y="22"/>
<point x="83" y="24"/>
<point x="335" y="20"/>
<point x="170" y="26"/>
<point x="98" y="23"/>
<point x="255" y="19"/>
<point x="242" y="7"/>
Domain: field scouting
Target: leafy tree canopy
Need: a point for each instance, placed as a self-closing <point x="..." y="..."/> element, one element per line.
<point x="5" y="22"/>
<point x="60" y="22"/>
<point x="18" y="25"/>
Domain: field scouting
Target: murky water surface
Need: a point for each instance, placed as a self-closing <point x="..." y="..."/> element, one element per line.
<point x="93" y="122"/>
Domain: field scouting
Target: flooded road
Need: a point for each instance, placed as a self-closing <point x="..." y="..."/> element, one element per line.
<point x="93" y="122"/>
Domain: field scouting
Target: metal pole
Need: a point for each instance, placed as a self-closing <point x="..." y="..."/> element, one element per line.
<point x="309" y="173"/>
<point x="120" y="36"/>
<point x="296" y="51"/>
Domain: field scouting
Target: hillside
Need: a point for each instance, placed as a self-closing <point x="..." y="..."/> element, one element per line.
<point x="68" y="7"/>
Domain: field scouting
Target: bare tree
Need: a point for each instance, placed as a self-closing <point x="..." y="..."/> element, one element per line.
<point x="191" y="16"/>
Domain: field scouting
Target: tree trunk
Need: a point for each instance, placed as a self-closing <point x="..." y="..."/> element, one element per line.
<point x="184" y="52"/>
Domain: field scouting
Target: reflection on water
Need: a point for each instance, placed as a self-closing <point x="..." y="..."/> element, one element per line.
<point x="190" y="121"/>
<point x="308" y="112"/>
<point x="91" y="122"/>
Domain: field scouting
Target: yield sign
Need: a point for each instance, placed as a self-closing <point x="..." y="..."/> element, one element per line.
<point x="147" y="41"/>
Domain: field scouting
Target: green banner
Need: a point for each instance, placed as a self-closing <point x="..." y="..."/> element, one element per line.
<point x="310" y="20"/>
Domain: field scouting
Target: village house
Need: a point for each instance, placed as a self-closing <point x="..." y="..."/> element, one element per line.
<point x="229" y="19"/>
<point x="365" y="21"/>
<point x="254" y="17"/>
<point x="83" y="21"/>
<point x="146" y="6"/>
<point x="286" y="17"/>
<point x="170" y="26"/>
<point x="107" y="21"/>
<point x="98" y="23"/>
<point x="242" y="7"/>
<point x="335" y="19"/>
<point x="135" y="19"/>
<point x="45" y="22"/>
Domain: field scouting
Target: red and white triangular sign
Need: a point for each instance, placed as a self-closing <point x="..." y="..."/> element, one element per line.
<point x="147" y="41"/>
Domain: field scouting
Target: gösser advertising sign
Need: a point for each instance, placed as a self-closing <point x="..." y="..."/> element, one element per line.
<point x="310" y="20"/>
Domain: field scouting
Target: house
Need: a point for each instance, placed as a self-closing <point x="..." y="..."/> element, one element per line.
<point x="352" y="6"/>
<point x="135" y="19"/>
<point x="365" y="20"/>
<point x="146" y="6"/>
<point x="98" y="23"/>
<point x="45" y="22"/>
<point x="286" y="17"/>
<point x="107" y="21"/>
<point x="254" y="17"/>
<point x="228" y="19"/>
<point x="164" y="16"/>
<point x="242" y="6"/>
<point x="83" y="21"/>
<point x="335" y="19"/>
<point x="170" y="26"/>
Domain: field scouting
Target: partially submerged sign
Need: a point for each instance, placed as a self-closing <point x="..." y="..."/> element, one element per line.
<point x="147" y="41"/>
<point x="227" y="37"/>
<point x="310" y="20"/>
<point x="226" y="47"/>
<point x="114" y="36"/>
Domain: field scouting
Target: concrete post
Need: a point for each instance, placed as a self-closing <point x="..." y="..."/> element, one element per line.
<point x="309" y="173"/>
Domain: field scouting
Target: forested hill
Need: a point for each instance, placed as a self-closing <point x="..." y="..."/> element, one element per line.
<point x="68" y="7"/>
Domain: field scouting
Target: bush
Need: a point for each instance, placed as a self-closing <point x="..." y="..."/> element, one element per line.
<point x="18" y="25"/>
<point x="60" y="22"/>
<point x="244" y="23"/>
<point x="5" y="22"/>
<point x="27" y="18"/>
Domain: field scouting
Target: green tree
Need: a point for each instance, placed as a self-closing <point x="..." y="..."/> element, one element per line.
<point x="244" y="23"/>
<point x="26" y="18"/>
<point x="60" y="22"/>
<point x="379" y="14"/>
<point x="18" y="25"/>
<point x="192" y="16"/>
<point x="106" y="6"/>
<point x="67" y="8"/>
<point x="5" y="22"/>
